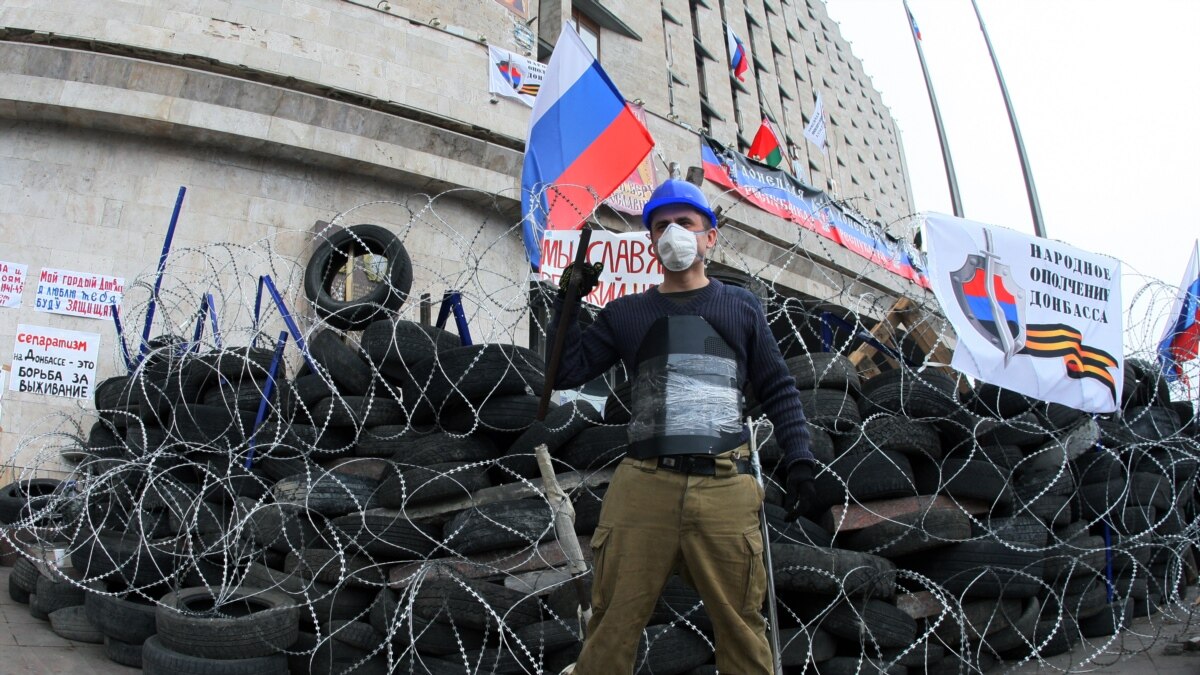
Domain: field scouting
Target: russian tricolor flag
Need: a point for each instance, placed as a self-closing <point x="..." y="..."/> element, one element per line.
<point x="584" y="141"/>
<point x="739" y="60"/>
<point x="1181" y="339"/>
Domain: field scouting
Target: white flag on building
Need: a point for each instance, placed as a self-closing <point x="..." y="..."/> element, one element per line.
<point x="815" y="131"/>
<point x="1035" y="316"/>
<point x="513" y="75"/>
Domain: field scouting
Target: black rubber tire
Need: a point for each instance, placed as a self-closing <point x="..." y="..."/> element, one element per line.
<point x="125" y="555"/>
<point x="670" y="650"/>
<point x="981" y="569"/>
<point x="905" y="392"/>
<point x="349" y="371"/>
<point x="444" y="600"/>
<point x="618" y="407"/>
<point x="56" y="593"/>
<point x="439" y="448"/>
<point x="356" y="412"/>
<point x="246" y="396"/>
<point x="854" y="665"/>
<point x="501" y="417"/>
<point x="158" y="659"/>
<point x="72" y="623"/>
<point x="405" y="628"/>
<point x="284" y="527"/>
<point x="800" y="647"/>
<point x="899" y="434"/>
<point x="965" y="480"/>
<point x="595" y="448"/>
<point x="330" y="257"/>
<point x="499" y="525"/>
<point x="824" y="370"/>
<point x="329" y="493"/>
<point x="388" y="535"/>
<point x="992" y="401"/>
<point x="1024" y="430"/>
<point x="866" y="477"/>
<point x="394" y="345"/>
<point x="910" y="533"/>
<point x="1113" y="618"/>
<point x="562" y="424"/>
<point x="357" y="634"/>
<point x="19" y="498"/>
<point x="800" y="531"/>
<point x="472" y="374"/>
<point x="24" y="575"/>
<point x="877" y="623"/>
<point x="831" y="571"/>
<point x="421" y="485"/>
<point x="122" y="652"/>
<point x="18" y="594"/>
<point x="247" y="624"/>
<point x="1151" y="423"/>
<point x="336" y="567"/>
<point x="830" y="409"/>
<point x="130" y="619"/>
<point x="550" y="635"/>
<point x="680" y="604"/>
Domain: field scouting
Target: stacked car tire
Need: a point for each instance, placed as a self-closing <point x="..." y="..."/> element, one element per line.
<point x="380" y="510"/>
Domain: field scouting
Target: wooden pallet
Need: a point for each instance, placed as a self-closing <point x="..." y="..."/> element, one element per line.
<point x="921" y="328"/>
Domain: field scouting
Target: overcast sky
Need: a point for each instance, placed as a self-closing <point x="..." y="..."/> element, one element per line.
<point x="1107" y="95"/>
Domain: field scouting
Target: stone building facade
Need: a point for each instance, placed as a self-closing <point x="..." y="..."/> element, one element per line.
<point x="278" y="115"/>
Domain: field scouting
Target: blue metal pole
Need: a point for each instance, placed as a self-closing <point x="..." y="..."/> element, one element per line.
<point x="162" y="266"/>
<point x="121" y="337"/>
<point x="266" y="397"/>
<point x="212" y="317"/>
<point x="199" y="332"/>
<point x="288" y="320"/>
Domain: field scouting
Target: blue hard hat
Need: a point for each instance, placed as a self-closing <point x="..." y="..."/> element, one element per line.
<point x="676" y="191"/>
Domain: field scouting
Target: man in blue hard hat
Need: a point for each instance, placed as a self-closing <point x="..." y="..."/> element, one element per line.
<point x="683" y="499"/>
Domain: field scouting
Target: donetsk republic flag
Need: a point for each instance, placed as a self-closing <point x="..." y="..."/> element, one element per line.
<point x="1036" y="316"/>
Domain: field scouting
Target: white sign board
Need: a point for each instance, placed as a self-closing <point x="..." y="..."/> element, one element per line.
<point x="78" y="293"/>
<point x="629" y="266"/>
<point x="54" y="362"/>
<point x="1036" y="316"/>
<point x="12" y="283"/>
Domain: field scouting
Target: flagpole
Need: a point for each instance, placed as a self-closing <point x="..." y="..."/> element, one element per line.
<point x="955" y="199"/>
<point x="1039" y="227"/>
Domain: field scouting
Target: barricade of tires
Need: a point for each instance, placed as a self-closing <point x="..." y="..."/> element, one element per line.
<point x="389" y="518"/>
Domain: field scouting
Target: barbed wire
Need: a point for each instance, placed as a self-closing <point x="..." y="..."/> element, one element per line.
<point x="387" y="509"/>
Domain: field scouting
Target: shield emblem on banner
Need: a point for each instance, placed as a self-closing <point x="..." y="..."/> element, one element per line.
<point x="992" y="301"/>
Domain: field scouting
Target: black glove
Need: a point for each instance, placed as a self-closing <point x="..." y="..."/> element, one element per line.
<point x="801" y="492"/>
<point x="589" y="276"/>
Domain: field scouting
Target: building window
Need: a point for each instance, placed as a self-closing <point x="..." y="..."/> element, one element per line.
<point x="589" y="31"/>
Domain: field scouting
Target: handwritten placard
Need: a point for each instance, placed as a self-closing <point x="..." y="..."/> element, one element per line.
<point x="54" y="362"/>
<point x="78" y="293"/>
<point x="12" y="283"/>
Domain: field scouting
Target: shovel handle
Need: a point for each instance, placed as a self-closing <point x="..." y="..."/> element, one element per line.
<point x="570" y="300"/>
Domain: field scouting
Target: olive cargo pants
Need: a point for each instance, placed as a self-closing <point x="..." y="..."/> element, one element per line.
<point x="654" y="522"/>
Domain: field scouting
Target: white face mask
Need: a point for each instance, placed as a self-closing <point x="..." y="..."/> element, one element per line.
<point x="677" y="247"/>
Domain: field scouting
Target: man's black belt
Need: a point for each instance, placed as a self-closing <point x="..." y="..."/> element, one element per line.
<point x="699" y="465"/>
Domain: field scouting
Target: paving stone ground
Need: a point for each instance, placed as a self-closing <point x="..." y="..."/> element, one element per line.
<point x="29" y="647"/>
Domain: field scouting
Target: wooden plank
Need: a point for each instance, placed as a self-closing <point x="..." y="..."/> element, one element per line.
<point x="885" y="332"/>
<point x="494" y="563"/>
<point x="842" y="518"/>
<point x="569" y="481"/>
<point x="919" y="605"/>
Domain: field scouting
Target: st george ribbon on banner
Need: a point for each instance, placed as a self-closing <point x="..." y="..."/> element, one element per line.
<point x="778" y="193"/>
<point x="1180" y="341"/>
<point x="1038" y="317"/>
<point x="514" y="76"/>
<point x="584" y="141"/>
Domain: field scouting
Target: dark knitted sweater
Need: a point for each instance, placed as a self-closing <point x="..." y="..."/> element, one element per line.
<point x="733" y="312"/>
